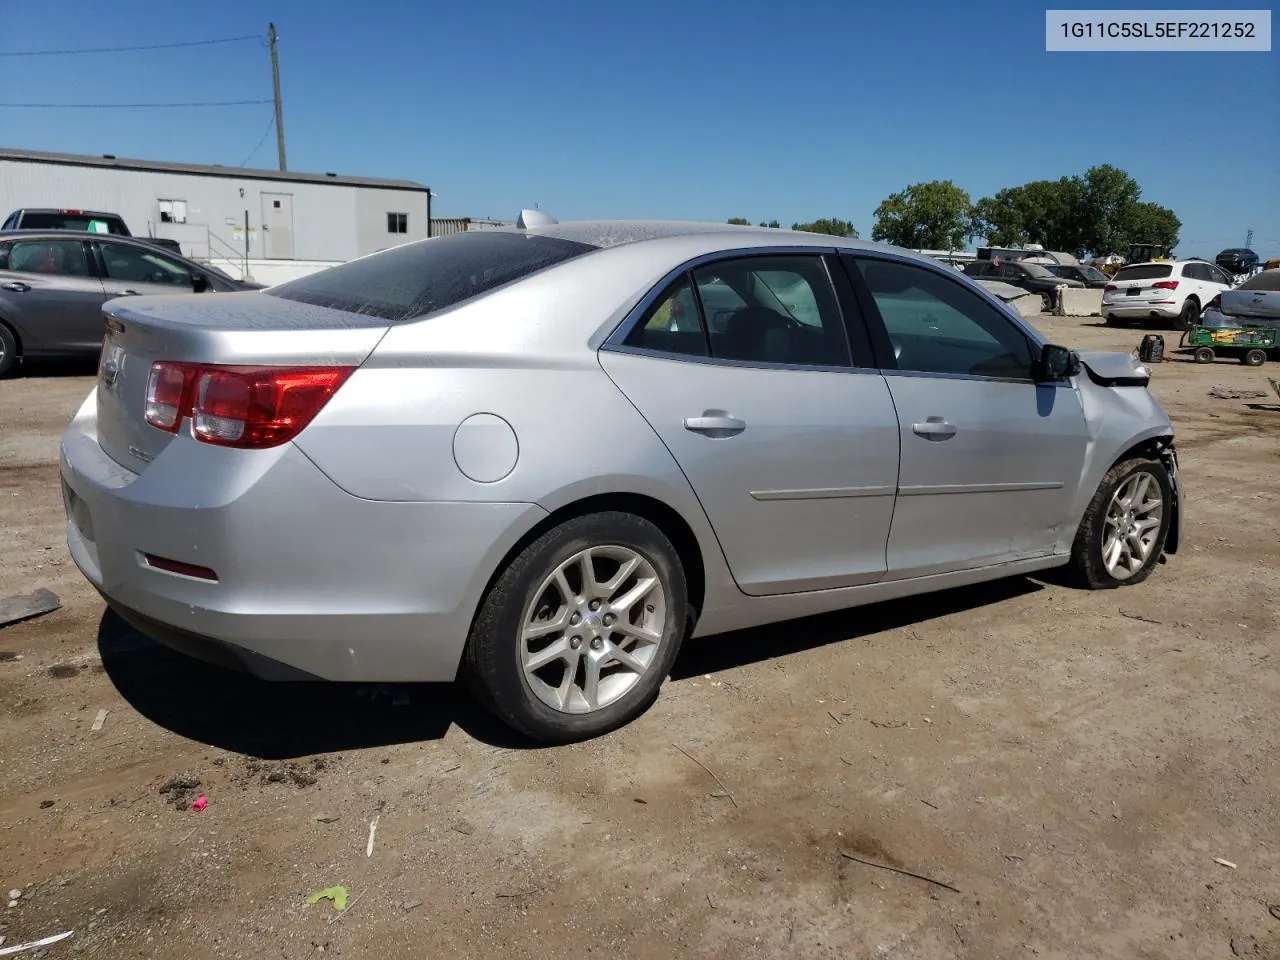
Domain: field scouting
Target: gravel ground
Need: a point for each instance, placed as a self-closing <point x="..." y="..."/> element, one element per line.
<point x="1069" y="764"/>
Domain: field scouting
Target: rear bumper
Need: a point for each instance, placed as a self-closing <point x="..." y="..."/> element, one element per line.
<point x="310" y="581"/>
<point x="1139" y="311"/>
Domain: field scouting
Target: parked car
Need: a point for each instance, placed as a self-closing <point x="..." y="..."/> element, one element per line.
<point x="1169" y="290"/>
<point x="1032" y="277"/>
<point x="53" y="285"/>
<point x="82" y="221"/>
<point x="1088" y="276"/>
<point x="505" y="453"/>
<point x="1255" y="303"/>
<point x="1237" y="261"/>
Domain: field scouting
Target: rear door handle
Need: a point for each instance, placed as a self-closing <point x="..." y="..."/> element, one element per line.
<point x="715" y="423"/>
<point x="15" y="286"/>
<point x="935" y="428"/>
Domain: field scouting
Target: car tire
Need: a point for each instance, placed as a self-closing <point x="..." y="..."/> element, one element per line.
<point x="526" y="682"/>
<point x="1254" y="358"/>
<point x="1098" y="559"/>
<point x="1046" y="303"/>
<point x="8" y="351"/>
<point x="1189" y="316"/>
<point x="1112" y="321"/>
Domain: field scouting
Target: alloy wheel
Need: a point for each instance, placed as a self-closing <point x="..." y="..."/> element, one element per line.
<point x="1132" y="525"/>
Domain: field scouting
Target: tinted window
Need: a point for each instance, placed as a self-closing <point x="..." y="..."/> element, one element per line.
<point x="1093" y="273"/>
<point x="1217" y="275"/>
<point x="1145" y="271"/>
<point x="1267" y="280"/>
<point x="84" y="222"/>
<point x="1037" y="270"/>
<point x="142" y="266"/>
<point x="60" y="257"/>
<point x="937" y="325"/>
<point x="755" y="309"/>
<point x="673" y="324"/>
<point x="1195" y="271"/>
<point x="420" y="278"/>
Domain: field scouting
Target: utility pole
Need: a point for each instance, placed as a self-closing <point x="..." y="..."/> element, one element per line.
<point x="1248" y="240"/>
<point x="275" y="83"/>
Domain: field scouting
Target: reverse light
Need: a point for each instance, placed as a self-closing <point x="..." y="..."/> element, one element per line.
<point x="1165" y="285"/>
<point x="236" y="406"/>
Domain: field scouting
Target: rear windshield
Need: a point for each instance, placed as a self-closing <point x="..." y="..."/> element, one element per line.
<point x="420" y="278"/>
<point x="1267" y="280"/>
<point x="1145" y="271"/>
<point x="85" y="222"/>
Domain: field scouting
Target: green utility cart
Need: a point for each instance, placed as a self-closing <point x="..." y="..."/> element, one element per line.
<point x="1250" y="344"/>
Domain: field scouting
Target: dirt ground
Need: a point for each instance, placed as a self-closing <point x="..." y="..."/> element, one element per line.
<point x="1073" y="764"/>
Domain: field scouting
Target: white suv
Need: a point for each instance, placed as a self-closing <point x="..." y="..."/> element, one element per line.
<point x="1165" y="290"/>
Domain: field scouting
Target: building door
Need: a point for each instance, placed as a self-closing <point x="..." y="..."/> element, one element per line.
<point x="277" y="226"/>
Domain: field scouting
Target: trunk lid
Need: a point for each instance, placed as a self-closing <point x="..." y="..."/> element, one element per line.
<point x="234" y="328"/>
<point x="1251" y="304"/>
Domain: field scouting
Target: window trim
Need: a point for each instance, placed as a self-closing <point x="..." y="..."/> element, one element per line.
<point x="879" y="332"/>
<point x="615" y="342"/>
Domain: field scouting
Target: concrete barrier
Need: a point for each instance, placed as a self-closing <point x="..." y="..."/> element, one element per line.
<point x="1030" y="305"/>
<point x="1081" y="302"/>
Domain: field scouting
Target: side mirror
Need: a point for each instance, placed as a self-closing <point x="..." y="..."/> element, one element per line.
<point x="199" y="282"/>
<point x="1057" y="363"/>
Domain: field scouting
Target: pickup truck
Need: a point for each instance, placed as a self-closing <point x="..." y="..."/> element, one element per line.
<point x="85" y="221"/>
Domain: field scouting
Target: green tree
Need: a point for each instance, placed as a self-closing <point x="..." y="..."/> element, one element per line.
<point x="1149" y="223"/>
<point x="930" y="216"/>
<point x="1109" y="197"/>
<point x="772" y="223"/>
<point x="830" y="226"/>
<point x="739" y="221"/>
<point x="1000" y="219"/>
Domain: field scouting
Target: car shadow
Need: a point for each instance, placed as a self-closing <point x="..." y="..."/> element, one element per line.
<point x="44" y="368"/>
<point x="284" y="721"/>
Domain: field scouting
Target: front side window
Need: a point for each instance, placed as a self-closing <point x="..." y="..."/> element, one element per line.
<point x="415" y="279"/>
<point x="142" y="266"/>
<point x="937" y="325"/>
<point x="63" y="258"/>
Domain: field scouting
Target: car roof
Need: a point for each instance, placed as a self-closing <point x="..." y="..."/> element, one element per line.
<point x="77" y="210"/>
<point x="143" y="242"/>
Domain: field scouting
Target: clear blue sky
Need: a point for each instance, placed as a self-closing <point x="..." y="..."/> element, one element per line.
<point x="696" y="110"/>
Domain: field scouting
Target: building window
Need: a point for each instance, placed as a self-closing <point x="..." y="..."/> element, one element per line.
<point x="173" y="211"/>
<point x="397" y="223"/>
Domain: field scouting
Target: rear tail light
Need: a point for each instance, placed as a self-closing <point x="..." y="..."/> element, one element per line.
<point x="246" y="407"/>
<point x="1109" y="287"/>
<point x="1165" y="285"/>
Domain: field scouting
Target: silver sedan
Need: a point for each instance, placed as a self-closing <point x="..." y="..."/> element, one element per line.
<point x="545" y="456"/>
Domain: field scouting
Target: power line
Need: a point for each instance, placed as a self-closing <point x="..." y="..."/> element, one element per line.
<point x="270" y="123"/>
<point x="149" y="46"/>
<point x="128" y="106"/>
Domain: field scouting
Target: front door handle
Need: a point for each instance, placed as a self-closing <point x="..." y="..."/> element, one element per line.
<point x="15" y="286"/>
<point x="935" y="428"/>
<point x="715" y="423"/>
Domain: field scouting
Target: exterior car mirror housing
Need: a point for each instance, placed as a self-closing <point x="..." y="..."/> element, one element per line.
<point x="199" y="282"/>
<point x="1057" y="363"/>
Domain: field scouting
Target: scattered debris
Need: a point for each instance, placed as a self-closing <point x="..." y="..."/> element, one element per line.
<point x="522" y="893"/>
<point x="1232" y="393"/>
<point x="1244" y="946"/>
<point x="358" y="898"/>
<point x="410" y="905"/>
<point x="887" y="724"/>
<point x="1224" y="863"/>
<point x="24" y="606"/>
<point x="326" y="818"/>
<point x="34" y="944"/>
<point x="8" y="656"/>
<point x="290" y="773"/>
<point x="15" y="894"/>
<point x="201" y="802"/>
<point x="640" y="800"/>
<point x="928" y="804"/>
<point x="711" y="903"/>
<point x="727" y="793"/>
<point x="1013" y="858"/>
<point x="373" y="829"/>
<point x="337" y="894"/>
<point x="1138" y="616"/>
<point x="179" y="789"/>
<point x="905" y="873"/>
<point x="1274" y="909"/>
<point x="98" y="721"/>
<point x="464" y="827"/>
<point x="46" y="804"/>
<point x="838" y="720"/>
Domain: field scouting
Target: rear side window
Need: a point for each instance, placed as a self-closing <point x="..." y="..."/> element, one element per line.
<point x="420" y="278"/>
<point x="1145" y="271"/>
